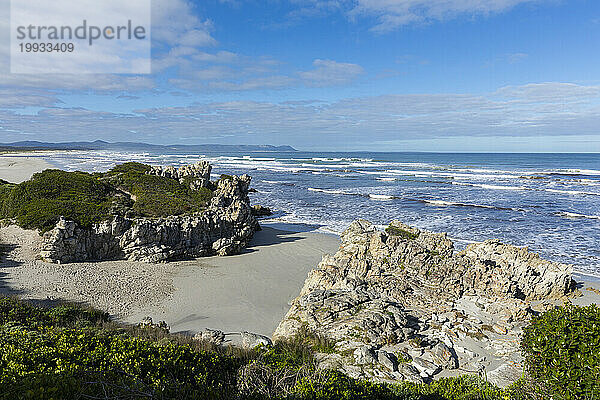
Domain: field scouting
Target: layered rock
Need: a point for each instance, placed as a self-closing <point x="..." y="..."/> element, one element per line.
<point x="224" y="228"/>
<point x="405" y="305"/>
<point x="197" y="175"/>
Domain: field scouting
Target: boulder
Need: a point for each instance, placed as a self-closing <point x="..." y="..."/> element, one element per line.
<point x="214" y="336"/>
<point x="196" y="175"/>
<point x="251" y="340"/>
<point x="260" y="211"/>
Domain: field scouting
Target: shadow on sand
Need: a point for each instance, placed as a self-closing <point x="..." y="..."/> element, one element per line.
<point x="6" y="263"/>
<point x="269" y="236"/>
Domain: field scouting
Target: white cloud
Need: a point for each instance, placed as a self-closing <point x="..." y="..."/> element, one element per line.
<point x="175" y="23"/>
<point x="549" y="109"/>
<point x="392" y="14"/>
<point x="14" y="98"/>
<point x="331" y="73"/>
<point x="251" y="73"/>
<point x="549" y="92"/>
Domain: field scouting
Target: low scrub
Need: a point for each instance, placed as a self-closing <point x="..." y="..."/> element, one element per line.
<point x="404" y="234"/>
<point x="74" y="352"/>
<point x="91" y="198"/>
<point x="562" y="354"/>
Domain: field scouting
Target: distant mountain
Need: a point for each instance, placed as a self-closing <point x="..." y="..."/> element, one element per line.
<point x="133" y="146"/>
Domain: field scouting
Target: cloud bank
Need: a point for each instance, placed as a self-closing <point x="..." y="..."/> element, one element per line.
<point x="548" y="109"/>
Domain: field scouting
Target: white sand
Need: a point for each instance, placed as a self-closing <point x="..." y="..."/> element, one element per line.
<point x="589" y="286"/>
<point x="249" y="292"/>
<point x="113" y="286"/>
<point x="19" y="167"/>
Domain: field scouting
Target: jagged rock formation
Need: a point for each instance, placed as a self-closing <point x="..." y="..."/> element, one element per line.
<point x="402" y="305"/>
<point x="198" y="174"/>
<point x="224" y="228"/>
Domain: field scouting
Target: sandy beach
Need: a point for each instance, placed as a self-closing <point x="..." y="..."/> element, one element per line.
<point x="250" y="291"/>
<point x="18" y="167"/>
<point x="246" y="292"/>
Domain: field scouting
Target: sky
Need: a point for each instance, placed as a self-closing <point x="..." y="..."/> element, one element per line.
<point x="335" y="75"/>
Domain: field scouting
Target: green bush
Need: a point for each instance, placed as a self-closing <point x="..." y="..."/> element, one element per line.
<point x="562" y="352"/>
<point x="39" y="202"/>
<point x="404" y="234"/>
<point x="156" y="196"/>
<point x="334" y="385"/>
<point x="91" y="198"/>
<point x="464" y="387"/>
<point x="163" y="368"/>
<point x="13" y="311"/>
<point x="70" y="352"/>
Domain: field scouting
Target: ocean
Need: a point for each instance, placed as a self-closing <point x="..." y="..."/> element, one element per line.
<point x="548" y="202"/>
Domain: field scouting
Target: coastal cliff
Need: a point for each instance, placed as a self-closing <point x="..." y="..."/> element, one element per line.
<point x="403" y="305"/>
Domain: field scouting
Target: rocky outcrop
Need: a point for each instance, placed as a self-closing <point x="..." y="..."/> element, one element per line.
<point x="197" y="175"/>
<point x="224" y="228"/>
<point x="247" y="340"/>
<point x="403" y="305"/>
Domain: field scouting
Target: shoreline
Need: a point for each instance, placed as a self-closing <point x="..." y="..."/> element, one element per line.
<point x="250" y="291"/>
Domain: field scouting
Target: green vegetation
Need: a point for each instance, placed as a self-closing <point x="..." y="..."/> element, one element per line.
<point x="404" y="234"/>
<point x="73" y="352"/>
<point x="91" y="198"/>
<point x="562" y="352"/>
<point x="68" y="351"/>
<point x="39" y="202"/>
<point x="156" y="196"/>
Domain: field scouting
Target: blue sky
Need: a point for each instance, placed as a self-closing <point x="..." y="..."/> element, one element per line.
<point x="403" y="75"/>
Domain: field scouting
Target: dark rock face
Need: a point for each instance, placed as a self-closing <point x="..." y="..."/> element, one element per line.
<point x="406" y="291"/>
<point x="260" y="211"/>
<point x="224" y="228"/>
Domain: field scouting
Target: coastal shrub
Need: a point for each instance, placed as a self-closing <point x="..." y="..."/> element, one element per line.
<point x="18" y="312"/>
<point x="562" y="352"/>
<point x="5" y="190"/>
<point x="163" y="368"/>
<point x="334" y="385"/>
<point x="404" y="234"/>
<point x="39" y="202"/>
<point x="91" y="198"/>
<point x="128" y="167"/>
<point x="466" y="387"/>
<point x="69" y="351"/>
<point x="156" y="196"/>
